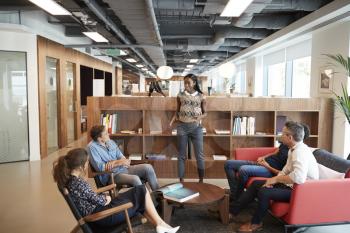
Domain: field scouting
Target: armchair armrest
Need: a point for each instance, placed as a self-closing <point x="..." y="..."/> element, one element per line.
<point x="106" y="188"/>
<point x="320" y="201"/>
<point x="252" y="153"/>
<point x="106" y="213"/>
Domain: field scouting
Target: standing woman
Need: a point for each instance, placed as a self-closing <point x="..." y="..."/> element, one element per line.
<point x="69" y="172"/>
<point x="191" y="109"/>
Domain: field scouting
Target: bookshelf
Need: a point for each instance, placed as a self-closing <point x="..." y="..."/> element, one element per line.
<point x="153" y="115"/>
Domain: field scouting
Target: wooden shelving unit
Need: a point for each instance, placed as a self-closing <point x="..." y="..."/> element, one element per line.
<point x="154" y="113"/>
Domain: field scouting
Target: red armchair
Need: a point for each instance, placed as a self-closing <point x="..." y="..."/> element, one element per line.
<point x="316" y="202"/>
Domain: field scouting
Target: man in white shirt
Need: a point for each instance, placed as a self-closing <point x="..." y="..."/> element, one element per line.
<point x="301" y="166"/>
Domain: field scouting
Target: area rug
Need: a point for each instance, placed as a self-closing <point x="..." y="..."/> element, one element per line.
<point x="201" y="220"/>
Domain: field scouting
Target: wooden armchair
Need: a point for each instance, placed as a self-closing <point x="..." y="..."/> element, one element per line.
<point x="86" y="223"/>
<point x="92" y="173"/>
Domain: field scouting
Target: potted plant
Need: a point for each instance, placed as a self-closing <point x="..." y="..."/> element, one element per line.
<point x="342" y="100"/>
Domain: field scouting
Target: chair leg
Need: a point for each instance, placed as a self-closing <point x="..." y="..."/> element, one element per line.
<point x="128" y="221"/>
<point x="75" y="229"/>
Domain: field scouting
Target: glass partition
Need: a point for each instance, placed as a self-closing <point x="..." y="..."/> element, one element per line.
<point x="71" y="100"/>
<point x="51" y="104"/>
<point x="14" y="144"/>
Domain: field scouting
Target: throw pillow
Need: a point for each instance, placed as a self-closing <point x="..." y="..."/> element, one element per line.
<point x="327" y="173"/>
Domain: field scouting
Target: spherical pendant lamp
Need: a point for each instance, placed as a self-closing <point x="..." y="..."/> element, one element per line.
<point x="165" y="72"/>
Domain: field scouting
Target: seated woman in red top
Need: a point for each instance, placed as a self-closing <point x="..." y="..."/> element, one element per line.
<point x="69" y="172"/>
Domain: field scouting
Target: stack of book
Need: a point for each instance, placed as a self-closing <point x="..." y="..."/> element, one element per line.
<point x="219" y="157"/>
<point x="243" y="126"/>
<point x="110" y="121"/>
<point x="221" y="131"/>
<point x="152" y="156"/>
<point x="135" y="156"/>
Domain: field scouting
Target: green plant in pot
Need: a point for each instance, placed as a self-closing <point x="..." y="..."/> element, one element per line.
<point x="342" y="100"/>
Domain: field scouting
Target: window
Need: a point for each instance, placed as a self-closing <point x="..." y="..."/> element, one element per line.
<point x="301" y="77"/>
<point x="276" y="78"/>
<point x="286" y="72"/>
<point x="240" y="79"/>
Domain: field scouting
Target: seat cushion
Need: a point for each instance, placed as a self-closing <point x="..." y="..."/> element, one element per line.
<point x="279" y="209"/>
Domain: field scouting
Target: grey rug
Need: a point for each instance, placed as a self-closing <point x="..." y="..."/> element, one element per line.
<point x="200" y="220"/>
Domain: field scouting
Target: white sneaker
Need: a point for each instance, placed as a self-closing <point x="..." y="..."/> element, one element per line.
<point x="161" y="229"/>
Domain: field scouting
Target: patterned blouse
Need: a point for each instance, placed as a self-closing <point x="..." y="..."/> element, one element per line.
<point x="85" y="199"/>
<point x="191" y="106"/>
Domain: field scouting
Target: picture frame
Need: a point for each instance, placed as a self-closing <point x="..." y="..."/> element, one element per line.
<point x="326" y="81"/>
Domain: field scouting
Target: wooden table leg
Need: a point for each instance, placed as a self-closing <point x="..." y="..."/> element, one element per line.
<point x="223" y="209"/>
<point x="166" y="211"/>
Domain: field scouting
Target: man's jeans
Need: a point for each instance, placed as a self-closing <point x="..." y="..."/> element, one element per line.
<point x="193" y="131"/>
<point x="136" y="173"/>
<point x="279" y="192"/>
<point x="245" y="169"/>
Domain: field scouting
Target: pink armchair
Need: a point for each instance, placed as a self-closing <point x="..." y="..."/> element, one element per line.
<point x="316" y="202"/>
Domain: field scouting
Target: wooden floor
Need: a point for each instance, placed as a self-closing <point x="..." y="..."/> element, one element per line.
<point x="30" y="201"/>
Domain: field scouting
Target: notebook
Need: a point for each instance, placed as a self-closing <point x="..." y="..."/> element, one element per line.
<point x="176" y="192"/>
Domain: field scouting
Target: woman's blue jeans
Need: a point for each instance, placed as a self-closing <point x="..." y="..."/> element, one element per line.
<point x="193" y="131"/>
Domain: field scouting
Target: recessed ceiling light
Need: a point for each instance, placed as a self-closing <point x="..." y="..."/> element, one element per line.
<point x="193" y="60"/>
<point x="234" y="8"/>
<point x="144" y="69"/>
<point x="189" y="66"/>
<point x="51" y="6"/>
<point x="131" y="60"/>
<point x="95" y="36"/>
<point x="123" y="53"/>
<point x="187" y="69"/>
<point x="139" y="65"/>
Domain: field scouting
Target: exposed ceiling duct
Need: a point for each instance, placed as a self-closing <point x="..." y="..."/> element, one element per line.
<point x="99" y="12"/>
<point x="138" y="17"/>
<point x="159" y="32"/>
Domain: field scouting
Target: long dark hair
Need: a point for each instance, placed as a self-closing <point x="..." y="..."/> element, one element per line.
<point x="64" y="165"/>
<point x="195" y="80"/>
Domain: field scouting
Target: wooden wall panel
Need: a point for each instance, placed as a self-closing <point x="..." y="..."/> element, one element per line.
<point x="48" y="48"/>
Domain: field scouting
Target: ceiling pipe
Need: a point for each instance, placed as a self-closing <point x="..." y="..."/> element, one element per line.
<point x="106" y="46"/>
<point x="275" y="22"/>
<point x="98" y="11"/>
<point x="173" y="4"/>
<point x="254" y="8"/>
<point x="150" y="9"/>
<point x="297" y="5"/>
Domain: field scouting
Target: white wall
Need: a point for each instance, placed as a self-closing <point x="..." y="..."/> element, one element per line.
<point x="333" y="39"/>
<point x="18" y="40"/>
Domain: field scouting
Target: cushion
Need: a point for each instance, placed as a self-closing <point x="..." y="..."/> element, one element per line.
<point x="327" y="173"/>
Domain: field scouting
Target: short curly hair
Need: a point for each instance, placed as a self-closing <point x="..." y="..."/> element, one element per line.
<point x="96" y="131"/>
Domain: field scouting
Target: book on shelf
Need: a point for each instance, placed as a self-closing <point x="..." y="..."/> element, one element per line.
<point x="135" y="156"/>
<point x="204" y="130"/>
<point x="152" y="156"/>
<point x="243" y="125"/>
<point x="110" y="121"/>
<point x="280" y="121"/>
<point x="177" y="192"/>
<point x="174" y="132"/>
<point x="155" y="132"/>
<point x="219" y="157"/>
<point x="221" y="131"/>
<point x="127" y="131"/>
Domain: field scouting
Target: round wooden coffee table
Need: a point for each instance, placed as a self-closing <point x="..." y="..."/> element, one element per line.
<point x="209" y="194"/>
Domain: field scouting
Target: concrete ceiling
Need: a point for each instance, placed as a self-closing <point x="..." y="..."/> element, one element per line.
<point x="170" y="32"/>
